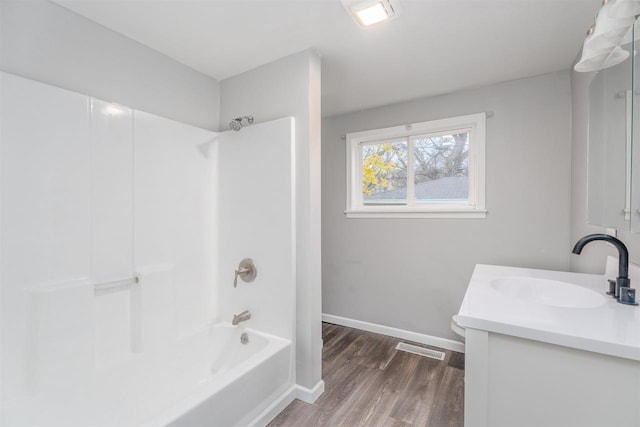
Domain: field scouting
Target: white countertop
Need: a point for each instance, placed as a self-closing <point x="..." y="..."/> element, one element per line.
<point x="611" y="328"/>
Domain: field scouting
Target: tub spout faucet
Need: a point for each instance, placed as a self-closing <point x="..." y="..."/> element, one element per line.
<point x="622" y="281"/>
<point x="242" y="317"/>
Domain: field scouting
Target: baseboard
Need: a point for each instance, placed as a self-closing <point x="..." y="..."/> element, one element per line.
<point x="272" y="411"/>
<point x="309" y="395"/>
<point x="395" y="332"/>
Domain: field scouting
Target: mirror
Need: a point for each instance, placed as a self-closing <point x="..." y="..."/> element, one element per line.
<point x="634" y="149"/>
<point x="614" y="119"/>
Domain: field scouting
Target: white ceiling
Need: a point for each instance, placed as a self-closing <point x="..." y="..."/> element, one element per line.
<point x="433" y="47"/>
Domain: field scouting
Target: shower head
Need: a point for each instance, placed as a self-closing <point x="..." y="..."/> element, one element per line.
<point x="236" y="124"/>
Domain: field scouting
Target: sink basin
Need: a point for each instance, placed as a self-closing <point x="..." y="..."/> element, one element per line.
<point x="548" y="292"/>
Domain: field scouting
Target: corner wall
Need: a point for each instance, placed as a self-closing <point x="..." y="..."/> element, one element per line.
<point x="412" y="274"/>
<point x="291" y="87"/>
<point x="45" y="42"/>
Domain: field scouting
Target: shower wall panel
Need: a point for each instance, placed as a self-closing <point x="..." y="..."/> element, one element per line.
<point x="111" y="228"/>
<point x="174" y="227"/>
<point x="45" y="234"/>
<point x="93" y="192"/>
<point x="256" y="180"/>
<point x="112" y="191"/>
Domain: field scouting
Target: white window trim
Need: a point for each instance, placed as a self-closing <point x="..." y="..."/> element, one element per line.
<point x="474" y="123"/>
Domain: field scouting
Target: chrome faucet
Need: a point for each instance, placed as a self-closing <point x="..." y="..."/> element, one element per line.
<point x="622" y="287"/>
<point x="242" y="317"/>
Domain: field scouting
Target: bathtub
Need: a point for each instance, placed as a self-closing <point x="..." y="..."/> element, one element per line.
<point x="207" y="379"/>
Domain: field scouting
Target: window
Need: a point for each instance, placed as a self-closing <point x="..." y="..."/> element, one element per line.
<point x="426" y="170"/>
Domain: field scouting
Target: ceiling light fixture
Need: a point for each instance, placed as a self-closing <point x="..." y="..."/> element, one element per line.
<point x="368" y="12"/>
<point x="625" y="8"/>
<point x="602" y="47"/>
<point x="595" y="60"/>
<point x="608" y="30"/>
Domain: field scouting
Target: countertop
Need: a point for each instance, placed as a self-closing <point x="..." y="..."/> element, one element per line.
<point x="611" y="328"/>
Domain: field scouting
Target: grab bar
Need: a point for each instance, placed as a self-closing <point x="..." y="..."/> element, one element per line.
<point x="115" y="283"/>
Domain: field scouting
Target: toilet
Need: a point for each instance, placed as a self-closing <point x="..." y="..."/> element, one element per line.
<point x="455" y="327"/>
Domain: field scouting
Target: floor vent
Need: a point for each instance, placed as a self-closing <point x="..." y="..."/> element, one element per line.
<point x="426" y="352"/>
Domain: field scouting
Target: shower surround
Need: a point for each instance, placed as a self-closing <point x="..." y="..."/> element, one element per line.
<point x="120" y="233"/>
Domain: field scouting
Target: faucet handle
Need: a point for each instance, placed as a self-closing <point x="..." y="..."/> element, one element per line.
<point x="612" y="288"/>
<point x="627" y="296"/>
<point x="235" y="279"/>
<point x="246" y="271"/>
<point x="622" y="282"/>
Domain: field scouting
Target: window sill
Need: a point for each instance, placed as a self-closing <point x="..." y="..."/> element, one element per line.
<point x="407" y="213"/>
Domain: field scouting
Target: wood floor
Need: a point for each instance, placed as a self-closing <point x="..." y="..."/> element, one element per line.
<point x="369" y="383"/>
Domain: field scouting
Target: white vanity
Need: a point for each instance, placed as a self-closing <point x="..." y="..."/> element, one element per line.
<point x="549" y="348"/>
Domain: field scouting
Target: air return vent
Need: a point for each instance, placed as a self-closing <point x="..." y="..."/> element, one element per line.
<point x="426" y="352"/>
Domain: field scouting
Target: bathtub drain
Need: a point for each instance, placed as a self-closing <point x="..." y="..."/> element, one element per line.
<point x="244" y="338"/>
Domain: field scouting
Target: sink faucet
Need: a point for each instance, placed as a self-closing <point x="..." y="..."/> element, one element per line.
<point x="242" y="317"/>
<point x="622" y="281"/>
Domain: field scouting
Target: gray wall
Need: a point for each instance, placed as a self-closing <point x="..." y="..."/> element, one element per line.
<point x="291" y="87"/>
<point x="412" y="273"/>
<point x="42" y="41"/>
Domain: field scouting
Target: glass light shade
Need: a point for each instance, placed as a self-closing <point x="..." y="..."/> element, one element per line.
<point x="595" y="60"/>
<point x="625" y="8"/>
<point x="371" y="14"/>
<point x="599" y="42"/>
<point x="608" y="31"/>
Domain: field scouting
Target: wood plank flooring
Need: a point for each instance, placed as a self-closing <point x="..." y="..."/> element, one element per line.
<point x="369" y="383"/>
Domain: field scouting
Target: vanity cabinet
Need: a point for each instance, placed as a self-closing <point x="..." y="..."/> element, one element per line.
<point x="549" y="349"/>
<point x="511" y="381"/>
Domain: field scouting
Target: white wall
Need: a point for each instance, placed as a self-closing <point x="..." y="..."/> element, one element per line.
<point x="291" y="87"/>
<point x="412" y="273"/>
<point x="45" y="42"/>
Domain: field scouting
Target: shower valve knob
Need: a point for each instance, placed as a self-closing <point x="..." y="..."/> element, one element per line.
<point x="246" y="271"/>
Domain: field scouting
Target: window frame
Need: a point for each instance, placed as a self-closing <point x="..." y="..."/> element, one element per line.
<point x="475" y="124"/>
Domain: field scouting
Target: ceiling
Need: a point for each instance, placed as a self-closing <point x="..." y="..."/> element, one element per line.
<point x="432" y="47"/>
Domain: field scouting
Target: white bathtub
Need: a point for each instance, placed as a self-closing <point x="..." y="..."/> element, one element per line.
<point x="206" y="379"/>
